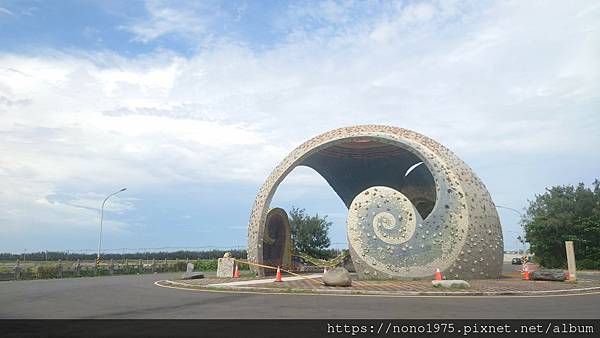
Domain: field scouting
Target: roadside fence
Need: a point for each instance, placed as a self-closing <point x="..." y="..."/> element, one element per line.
<point x="20" y="270"/>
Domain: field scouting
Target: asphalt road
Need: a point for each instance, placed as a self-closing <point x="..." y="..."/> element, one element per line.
<point x="136" y="296"/>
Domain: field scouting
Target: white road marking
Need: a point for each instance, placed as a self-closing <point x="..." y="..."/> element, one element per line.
<point x="239" y="291"/>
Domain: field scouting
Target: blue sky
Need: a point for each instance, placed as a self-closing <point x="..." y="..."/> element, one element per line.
<point x="190" y="105"/>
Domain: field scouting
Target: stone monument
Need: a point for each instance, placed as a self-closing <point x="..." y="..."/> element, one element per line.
<point x="413" y="205"/>
<point x="190" y="274"/>
<point x="225" y="266"/>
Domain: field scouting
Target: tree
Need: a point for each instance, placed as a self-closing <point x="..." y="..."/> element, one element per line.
<point x="309" y="233"/>
<point x="565" y="213"/>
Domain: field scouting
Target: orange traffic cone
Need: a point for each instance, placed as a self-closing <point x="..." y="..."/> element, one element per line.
<point x="438" y="274"/>
<point x="526" y="274"/>
<point x="236" y="272"/>
<point x="278" y="276"/>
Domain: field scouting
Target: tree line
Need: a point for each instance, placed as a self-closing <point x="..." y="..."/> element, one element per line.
<point x="73" y="256"/>
<point x="159" y="255"/>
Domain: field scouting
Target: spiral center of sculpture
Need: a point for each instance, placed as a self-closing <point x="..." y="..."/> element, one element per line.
<point x="384" y="219"/>
<point x="381" y="223"/>
<point x="394" y="229"/>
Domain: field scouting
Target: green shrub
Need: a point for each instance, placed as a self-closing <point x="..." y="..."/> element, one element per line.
<point x="588" y="264"/>
<point x="212" y="264"/>
<point x="206" y="265"/>
<point x="565" y="213"/>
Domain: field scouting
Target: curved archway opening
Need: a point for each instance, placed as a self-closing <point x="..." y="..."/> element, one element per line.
<point x="354" y="165"/>
<point x="305" y="188"/>
<point x="347" y="168"/>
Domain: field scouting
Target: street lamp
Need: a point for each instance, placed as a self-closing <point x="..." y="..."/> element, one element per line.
<point x="102" y="219"/>
<point x="511" y="209"/>
<point x="514" y="232"/>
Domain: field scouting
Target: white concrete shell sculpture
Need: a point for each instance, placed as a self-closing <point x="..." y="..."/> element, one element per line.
<point x="414" y="206"/>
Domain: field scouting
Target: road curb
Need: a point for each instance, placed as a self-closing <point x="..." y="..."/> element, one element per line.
<point x="259" y="290"/>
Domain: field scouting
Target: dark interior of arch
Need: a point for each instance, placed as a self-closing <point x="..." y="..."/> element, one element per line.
<point x="353" y="166"/>
<point x="273" y="250"/>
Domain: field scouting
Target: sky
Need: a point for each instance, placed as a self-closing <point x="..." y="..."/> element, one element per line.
<point x="190" y="105"/>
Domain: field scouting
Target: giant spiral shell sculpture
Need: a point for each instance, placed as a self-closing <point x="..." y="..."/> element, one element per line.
<point x="413" y="205"/>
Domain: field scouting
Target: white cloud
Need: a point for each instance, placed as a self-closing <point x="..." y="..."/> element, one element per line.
<point x="163" y="19"/>
<point x="409" y="21"/>
<point x="512" y="77"/>
<point x="5" y="11"/>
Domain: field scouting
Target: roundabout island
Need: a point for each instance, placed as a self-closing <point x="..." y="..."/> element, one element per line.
<point x="510" y="285"/>
<point x="415" y="211"/>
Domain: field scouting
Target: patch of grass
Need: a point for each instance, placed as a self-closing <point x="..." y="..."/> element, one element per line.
<point x="249" y="275"/>
<point x="46" y="271"/>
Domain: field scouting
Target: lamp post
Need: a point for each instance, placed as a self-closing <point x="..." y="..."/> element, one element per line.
<point x="521" y="215"/>
<point x="511" y="209"/>
<point x="101" y="220"/>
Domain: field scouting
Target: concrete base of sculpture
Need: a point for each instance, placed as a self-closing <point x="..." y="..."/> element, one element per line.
<point x="450" y="283"/>
<point x="225" y="267"/>
<point x="192" y="275"/>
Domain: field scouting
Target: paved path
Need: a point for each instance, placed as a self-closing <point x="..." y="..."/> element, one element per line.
<point x="136" y="296"/>
<point x="314" y="283"/>
<point x="266" y="280"/>
<point x="510" y="284"/>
